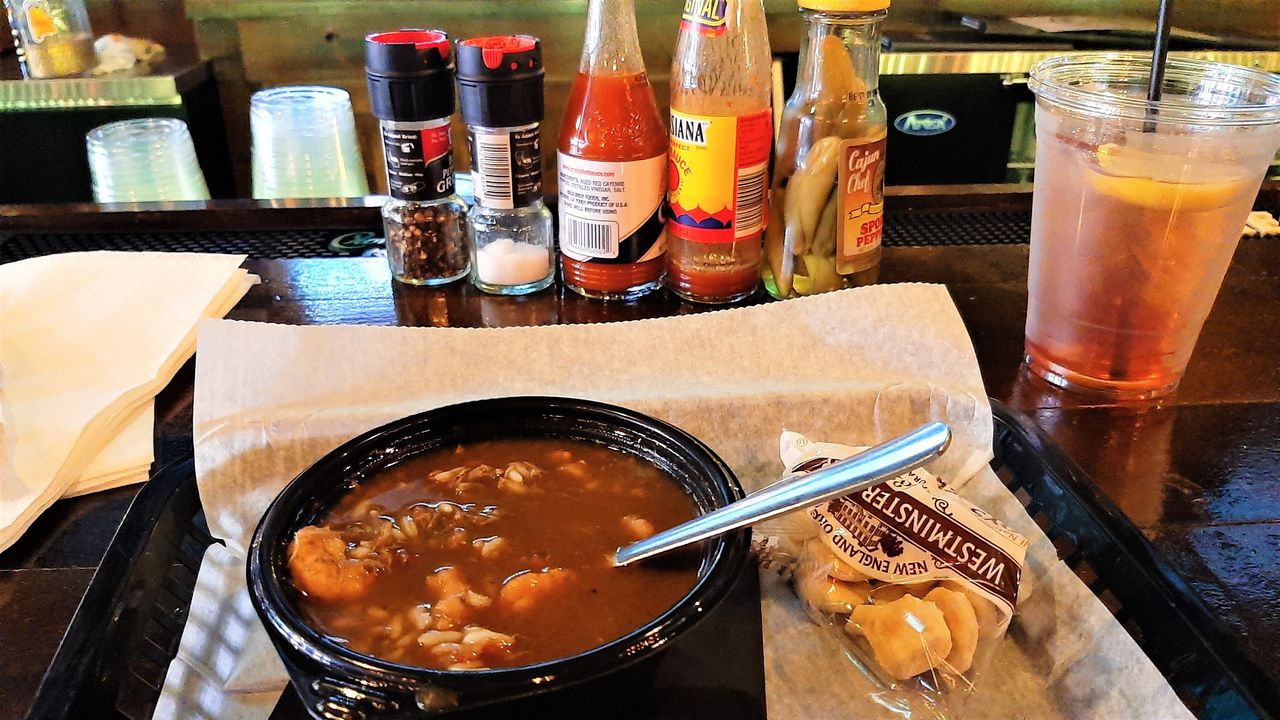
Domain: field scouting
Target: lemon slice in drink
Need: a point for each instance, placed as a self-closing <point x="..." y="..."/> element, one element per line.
<point x="1155" y="194"/>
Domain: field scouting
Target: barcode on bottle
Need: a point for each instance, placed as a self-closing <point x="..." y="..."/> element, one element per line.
<point x="588" y="238"/>
<point x="493" y="157"/>
<point x="748" y="214"/>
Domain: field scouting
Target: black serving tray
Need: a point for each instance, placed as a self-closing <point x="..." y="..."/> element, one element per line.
<point x="112" y="662"/>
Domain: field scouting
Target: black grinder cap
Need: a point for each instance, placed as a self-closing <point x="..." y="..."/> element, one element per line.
<point x="410" y="74"/>
<point x="500" y="80"/>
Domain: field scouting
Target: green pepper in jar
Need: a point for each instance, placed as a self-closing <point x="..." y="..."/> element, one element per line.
<point x="781" y="263"/>
<point x="807" y="193"/>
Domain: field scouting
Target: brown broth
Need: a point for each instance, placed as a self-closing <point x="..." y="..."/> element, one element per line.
<point x="385" y="593"/>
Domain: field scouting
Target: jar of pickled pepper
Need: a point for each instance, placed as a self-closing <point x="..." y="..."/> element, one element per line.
<point x="828" y="178"/>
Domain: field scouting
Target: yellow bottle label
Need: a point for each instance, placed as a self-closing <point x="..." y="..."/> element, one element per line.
<point x="861" y="206"/>
<point x="706" y="16"/>
<point x="717" y="185"/>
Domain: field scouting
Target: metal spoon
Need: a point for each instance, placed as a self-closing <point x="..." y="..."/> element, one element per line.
<point x="880" y="463"/>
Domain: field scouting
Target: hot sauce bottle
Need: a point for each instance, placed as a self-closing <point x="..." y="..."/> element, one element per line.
<point x="721" y="133"/>
<point x="612" y="164"/>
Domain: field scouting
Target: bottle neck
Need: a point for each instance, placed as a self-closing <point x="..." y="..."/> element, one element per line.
<point x="612" y="44"/>
<point x="860" y="35"/>
<point x="724" y="70"/>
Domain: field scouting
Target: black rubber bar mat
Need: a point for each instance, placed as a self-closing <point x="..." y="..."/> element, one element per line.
<point x="915" y="228"/>
<point x="902" y="230"/>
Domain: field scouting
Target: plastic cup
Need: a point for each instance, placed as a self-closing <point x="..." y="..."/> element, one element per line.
<point x="1137" y="209"/>
<point x="304" y="144"/>
<point x="144" y="160"/>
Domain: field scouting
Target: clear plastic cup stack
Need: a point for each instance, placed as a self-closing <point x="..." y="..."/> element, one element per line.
<point x="144" y="160"/>
<point x="304" y="144"/>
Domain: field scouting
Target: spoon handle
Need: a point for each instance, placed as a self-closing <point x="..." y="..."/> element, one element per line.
<point x="880" y="463"/>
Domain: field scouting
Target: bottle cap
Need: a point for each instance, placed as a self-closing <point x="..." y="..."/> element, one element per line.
<point x="410" y="74"/>
<point x="844" y="6"/>
<point x="500" y="80"/>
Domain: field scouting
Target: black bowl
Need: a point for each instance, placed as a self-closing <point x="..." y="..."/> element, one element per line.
<point x="335" y="682"/>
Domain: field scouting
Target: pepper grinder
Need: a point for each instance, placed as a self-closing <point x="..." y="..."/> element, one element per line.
<point x="410" y="77"/>
<point x="510" y="230"/>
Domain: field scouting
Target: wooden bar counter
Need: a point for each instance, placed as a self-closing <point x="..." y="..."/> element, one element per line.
<point x="1198" y="473"/>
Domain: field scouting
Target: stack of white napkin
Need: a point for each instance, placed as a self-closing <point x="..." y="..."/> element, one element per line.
<point x="86" y="342"/>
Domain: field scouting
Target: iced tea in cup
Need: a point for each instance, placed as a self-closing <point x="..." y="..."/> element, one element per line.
<point x="1137" y="209"/>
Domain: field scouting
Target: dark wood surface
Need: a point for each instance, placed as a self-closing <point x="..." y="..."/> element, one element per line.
<point x="1198" y="473"/>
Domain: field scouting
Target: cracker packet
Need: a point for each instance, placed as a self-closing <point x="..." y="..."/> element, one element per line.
<point x="917" y="582"/>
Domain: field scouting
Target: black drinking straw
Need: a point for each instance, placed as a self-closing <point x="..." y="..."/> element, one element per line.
<point x="1159" y="55"/>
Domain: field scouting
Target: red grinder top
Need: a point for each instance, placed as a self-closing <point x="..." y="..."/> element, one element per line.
<point x="500" y="80"/>
<point x="410" y="74"/>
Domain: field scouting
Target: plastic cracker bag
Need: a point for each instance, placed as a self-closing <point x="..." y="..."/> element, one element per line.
<point x="919" y="584"/>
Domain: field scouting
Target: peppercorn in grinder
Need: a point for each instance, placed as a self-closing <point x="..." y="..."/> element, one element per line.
<point x="410" y="77"/>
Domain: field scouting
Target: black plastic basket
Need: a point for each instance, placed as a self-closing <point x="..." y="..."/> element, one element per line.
<point x="112" y="662"/>
<point x="1188" y="644"/>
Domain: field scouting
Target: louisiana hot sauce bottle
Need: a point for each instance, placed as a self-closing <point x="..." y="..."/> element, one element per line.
<point x="612" y="163"/>
<point x="721" y="134"/>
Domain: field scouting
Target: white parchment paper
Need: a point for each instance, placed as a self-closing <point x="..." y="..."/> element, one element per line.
<point x="856" y="366"/>
<point x="866" y="364"/>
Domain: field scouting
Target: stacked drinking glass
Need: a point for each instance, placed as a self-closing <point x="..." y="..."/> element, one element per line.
<point x="304" y="144"/>
<point x="144" y="160"/>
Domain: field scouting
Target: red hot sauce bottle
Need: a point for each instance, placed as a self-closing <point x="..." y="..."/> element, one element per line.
<point x="721" y="135"/>
<point x="612" y="165"/>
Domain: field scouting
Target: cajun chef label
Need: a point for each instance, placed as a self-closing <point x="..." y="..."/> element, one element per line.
<point x="912" y="528"/>
<point x="861" y="197"/>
